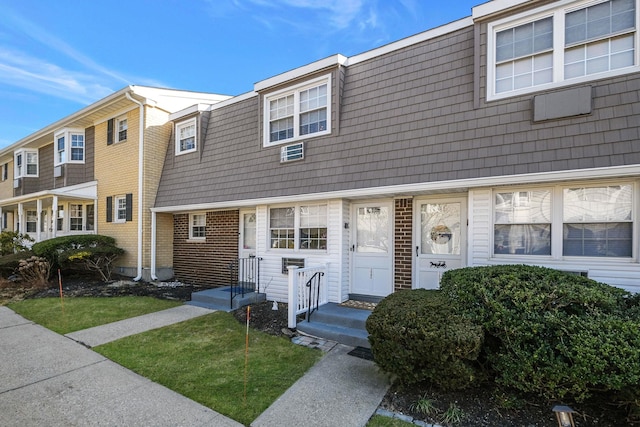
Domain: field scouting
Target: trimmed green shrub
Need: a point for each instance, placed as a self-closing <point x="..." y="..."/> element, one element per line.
<point x="548" y="332"/>
<point x="91" y="251"/>
<point x="414" y="335"/>
<point x="12" y="242"/>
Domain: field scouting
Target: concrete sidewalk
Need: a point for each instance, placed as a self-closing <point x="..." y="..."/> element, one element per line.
<point x="339" y="390"/>
<point x="49" y="379"/>
<point x="103" y="334"/>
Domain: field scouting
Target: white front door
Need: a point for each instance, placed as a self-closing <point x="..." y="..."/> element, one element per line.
<point x="372" y="249"/>
<point x="440" y="239"/>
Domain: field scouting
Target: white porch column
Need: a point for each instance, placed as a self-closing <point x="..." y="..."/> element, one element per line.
<point x="21" y="218"/>
<point x="38" y="220"/>
<point x="54" y="216"/>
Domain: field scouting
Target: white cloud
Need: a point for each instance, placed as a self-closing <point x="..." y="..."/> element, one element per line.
<point x="21" y="70"/>
<point x="81" y="79"/>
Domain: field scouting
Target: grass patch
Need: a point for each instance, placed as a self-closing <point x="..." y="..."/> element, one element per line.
<point x="204" y="360"/>
<point x="382" y="421"/>
<point x="83" y="313"/>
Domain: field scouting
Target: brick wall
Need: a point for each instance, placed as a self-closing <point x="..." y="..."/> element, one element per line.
<point x="206" y="263"/>
<point x="403" y="253"/>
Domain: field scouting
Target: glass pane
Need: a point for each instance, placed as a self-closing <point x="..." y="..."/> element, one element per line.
<point x="523" y="207"/>
<point x="612" y="203"/>
<point x="249" y="236"/>
<point x="598" y="239"/>
<point x="440" y="228"/>
<point x="372" y="228"/>
<point x="522" y="239"/>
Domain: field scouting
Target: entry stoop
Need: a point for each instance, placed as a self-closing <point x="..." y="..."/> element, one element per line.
<point x="219" y="299"/>
<point x="342" y="324"/>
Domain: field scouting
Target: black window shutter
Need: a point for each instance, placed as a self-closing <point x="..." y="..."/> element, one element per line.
<point x="109" y="209"/>
<point x="129" y="200"/>
<point x="110" y="132"/>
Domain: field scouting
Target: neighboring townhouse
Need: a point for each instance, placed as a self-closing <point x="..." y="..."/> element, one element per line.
<point x="508" y="137"/>
<point x="95" y="171"/>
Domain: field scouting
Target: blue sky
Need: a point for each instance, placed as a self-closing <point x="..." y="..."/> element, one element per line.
<point x="57" y="57"/>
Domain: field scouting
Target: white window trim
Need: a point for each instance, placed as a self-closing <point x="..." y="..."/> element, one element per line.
<point x="24" y="173"/>
<point x="558" y="11"/>
<point x="557" y="222"/>
<point x="67" y="133"/>
<point x="295" y="90"/>
<point x="296" y="228"/>
<point x="183" y="124"/>
<point x="116" y="130"/>
<point x="116" y="200"/>
<point x="193" y="238"/>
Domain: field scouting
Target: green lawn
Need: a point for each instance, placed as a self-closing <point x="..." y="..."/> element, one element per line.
<point x="75" y="314"/>
<point x="204" y="360"/>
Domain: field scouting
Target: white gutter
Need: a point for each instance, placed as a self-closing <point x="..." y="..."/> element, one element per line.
<point x="140" y="182"/>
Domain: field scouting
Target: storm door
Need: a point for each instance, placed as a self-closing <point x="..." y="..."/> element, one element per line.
<point x="372" y="249"/>
<point x="440" y="239"/>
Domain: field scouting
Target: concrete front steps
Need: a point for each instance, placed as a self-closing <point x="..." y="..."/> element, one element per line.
<point x="337" y="323"/>
<point x="220" y="299"/>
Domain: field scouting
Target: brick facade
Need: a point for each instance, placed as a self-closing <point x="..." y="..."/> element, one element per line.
<point x="403" y="254"/>
<point x="206" y="263"/>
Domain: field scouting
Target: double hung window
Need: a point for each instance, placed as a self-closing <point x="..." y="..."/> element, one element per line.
<point x="186" y="137"/>
<point x="299" y="112"/>
<point x="554" y="46"/>
<point x="69" y="146"/>
<point x="122" y="127"/>
<point x="298" y="227"/>
<point x="197" y="226"/>
<point x="576" y="221"/>
<point x="26" y="163"/>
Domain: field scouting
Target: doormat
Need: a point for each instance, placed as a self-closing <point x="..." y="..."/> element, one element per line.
<point x="365" y="305"/>
<point x="362" y="353"/>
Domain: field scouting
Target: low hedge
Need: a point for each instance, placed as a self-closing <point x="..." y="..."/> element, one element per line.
<point x="92" y="252"/>
<point x="414" y="335"/>
<point x="551" y="333"/>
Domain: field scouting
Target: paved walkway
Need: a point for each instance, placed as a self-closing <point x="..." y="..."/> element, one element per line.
<point x="53" y="380"/>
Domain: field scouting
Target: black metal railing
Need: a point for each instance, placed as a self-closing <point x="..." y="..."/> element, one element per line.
<point x="244" y="277"/>
<point x="314" y="293"/>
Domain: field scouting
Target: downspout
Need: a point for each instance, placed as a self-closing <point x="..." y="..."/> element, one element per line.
<point x="140" y="182"/>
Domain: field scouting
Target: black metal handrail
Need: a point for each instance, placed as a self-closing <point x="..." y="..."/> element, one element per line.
<point x="244" y="277"/>
<point x="314" y="280"/>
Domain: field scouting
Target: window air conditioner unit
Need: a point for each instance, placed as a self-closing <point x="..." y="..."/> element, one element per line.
<point x="58" y="171"/>
<point x="292" y="152"/>
<point x="16" y="183"/>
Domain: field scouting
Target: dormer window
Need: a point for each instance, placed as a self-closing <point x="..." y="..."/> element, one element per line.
<point x="555" y="46"/>
<point x="186" y="136"/>
<point x="299" y="112"/>
<point x="69" y="146"/>
<point x="26" y="163"/>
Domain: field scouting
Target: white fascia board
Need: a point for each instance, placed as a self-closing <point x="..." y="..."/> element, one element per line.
<point x="300" y="72"/>
<point x="87" y="190"/>
<point x="420" y="188"/>
<point x="411" y="40"/>
<point x="64" y="121"/>
<point x="496" y="6"/>
<point x="196" y="108"/>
